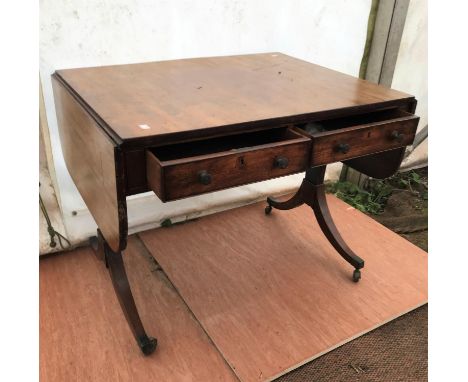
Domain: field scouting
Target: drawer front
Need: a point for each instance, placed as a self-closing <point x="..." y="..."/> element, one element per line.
<point x="234" y="170"/>
<point x="195" y="176"/>
<point x="339" y="145"/>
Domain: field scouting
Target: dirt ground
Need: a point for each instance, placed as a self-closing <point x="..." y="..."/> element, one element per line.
<point x="406" y="211"/>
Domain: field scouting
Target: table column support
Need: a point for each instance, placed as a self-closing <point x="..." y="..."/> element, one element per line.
<point x="312" y="193"/>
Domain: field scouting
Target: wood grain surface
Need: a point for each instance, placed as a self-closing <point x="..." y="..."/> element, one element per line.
<point x="94" y="163"/>
<point x="84" y="336"/>
<point x="180" y="97"/>
<point x="179" y="177"/>
<point x="380" y="165"/>
<point x="272" y="293"/>
<point x="363" y="139"/>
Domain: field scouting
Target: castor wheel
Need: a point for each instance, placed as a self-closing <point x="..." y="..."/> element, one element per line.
<point x="147" y="345"/>
<point x="356" y="275"/>
<point x="268" y="210"/>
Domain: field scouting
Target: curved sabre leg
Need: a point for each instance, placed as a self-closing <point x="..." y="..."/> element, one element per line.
<point x="303" y="195"/>
<point x="293" y="202"/>
<point x="312" y="192"/>
<point x="115" y="264"/>
<point x="323" y="216"/>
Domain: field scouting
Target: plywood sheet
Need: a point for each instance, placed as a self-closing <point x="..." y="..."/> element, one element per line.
<point x="272" y="293"/>
<point x="84" y="335"/>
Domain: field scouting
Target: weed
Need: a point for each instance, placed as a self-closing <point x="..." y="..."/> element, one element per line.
<point x="373" y="198"/>
<point x="372" y="201"/>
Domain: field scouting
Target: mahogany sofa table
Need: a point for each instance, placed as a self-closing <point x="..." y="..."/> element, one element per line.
<point x="187" y="127"/>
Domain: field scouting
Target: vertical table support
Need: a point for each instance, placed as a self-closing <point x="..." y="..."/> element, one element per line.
<point x="312" y="193"/>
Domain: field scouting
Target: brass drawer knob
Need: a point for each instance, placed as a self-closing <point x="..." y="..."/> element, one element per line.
<point x="342" y="148"/>
<point x="204" y="177"/>
<point x="281" y="162"/>
<point x="397" y="136"/>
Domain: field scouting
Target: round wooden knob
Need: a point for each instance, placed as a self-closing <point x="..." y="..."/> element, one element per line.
<point x="281" y="162"/>
<point x="397" y="136"/>
<point x="204" y="177"/>
<point x="342" y="148"/>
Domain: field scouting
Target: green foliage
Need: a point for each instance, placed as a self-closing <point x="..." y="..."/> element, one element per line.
<point x="372" y="201"/>
<point x="408" y="180"/>
<point x="373" y="198"/>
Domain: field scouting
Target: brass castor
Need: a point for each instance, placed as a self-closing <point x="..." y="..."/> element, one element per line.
<point x="268" y="210"/>
<point x="356" y="275"/>
<point x="147" y="345"/>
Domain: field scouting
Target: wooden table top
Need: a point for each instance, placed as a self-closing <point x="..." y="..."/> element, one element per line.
<point x="191" y="96"/>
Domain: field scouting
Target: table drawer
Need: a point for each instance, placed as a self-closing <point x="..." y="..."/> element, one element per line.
<point x="344" y="138"/>
<point x="196" y="167"/>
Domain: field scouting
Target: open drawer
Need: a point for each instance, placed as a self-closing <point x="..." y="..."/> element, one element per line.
<point x="185" y="169"/>
<point x="339" y="139"/>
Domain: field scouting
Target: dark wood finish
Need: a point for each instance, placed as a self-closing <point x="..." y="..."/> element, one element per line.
<point x="363" y="134"/>
<point x="186" y="127"/>
<point x="380" y="165"/>
<point x="135" y="170"/>
<point x="205" y="166"/>
<point x="271" y="292"/>
<point x="115" y="264"/>
<point x="155" y="176"/>
<point x="193" y="98"/>
<point x="312" y="193"/>
<point x="95" y="165"/>
<point x="347" y="138"/>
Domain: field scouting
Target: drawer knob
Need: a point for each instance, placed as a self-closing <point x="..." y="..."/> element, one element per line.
<point x="397" y="136"/>
<point x="204" y="177"/>
<point x="281" y="162"/>
<point x="342" y="148"/>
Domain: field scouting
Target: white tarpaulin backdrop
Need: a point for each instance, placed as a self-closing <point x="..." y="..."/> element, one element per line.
<point x="410" y="73"/>
<point x="80" y="33"/>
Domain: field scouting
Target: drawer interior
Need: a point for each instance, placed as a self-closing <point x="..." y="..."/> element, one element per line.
<point x="230" y="143"/>
<point x="316" y="127"/>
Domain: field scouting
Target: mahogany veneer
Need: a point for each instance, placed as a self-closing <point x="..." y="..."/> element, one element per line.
<point x="186" y="127"/>
<point x="174" y="171"/>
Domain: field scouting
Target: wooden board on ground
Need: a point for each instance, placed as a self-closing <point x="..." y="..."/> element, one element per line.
<point x="84" y="336"/>
<point x="272" y="293"/>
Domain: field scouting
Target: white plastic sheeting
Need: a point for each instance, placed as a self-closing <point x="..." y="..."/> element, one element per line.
<point x="79" y="33"/>
<point x="410" y="73"/>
